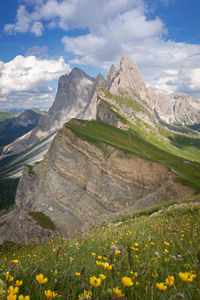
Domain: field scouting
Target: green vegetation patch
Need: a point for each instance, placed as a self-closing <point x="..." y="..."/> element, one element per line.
<point x="43" y="220"/>
<point x="6" y="115"/>
<point x="38" y="111"/>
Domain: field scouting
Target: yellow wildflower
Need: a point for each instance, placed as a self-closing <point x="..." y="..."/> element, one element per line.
<point x="127" y="281"/>
<point x="40" y="278"/>
<point x="136" y="244"/>
<point x="15" y="261"/>
<point x="11" y="297"/>
<point x="8" y="277"/>
<point x="166" y="243"/>
<point x="98" y="263"/>
<point x="77" y="274"/>
<point x="106" y="266"/>
<point x="117" y="252"/>
<point x="93" y="254"/>
<point x="50" y="294"/>
<point x="170" y="280"/>
<point x="166" y="250"/>
<point x="85" y="295"/>
<point x="99" y="257"/>
<point x="161" y="286"/>
<point x="154" y="274"/>
<point x="102" y="276"/>
<point x="21" y="297"/>
<point x="94" y="281"/>
<point x="118" y="292"/>
<point x="12" y="290"/>
<point x="18" y="283"/>
<point x="186" y="277"/>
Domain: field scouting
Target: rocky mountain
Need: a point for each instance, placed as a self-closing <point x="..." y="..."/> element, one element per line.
<point x="176" y="109"/>
<point x="119" y="161"/>
<point x="15" y="127"/>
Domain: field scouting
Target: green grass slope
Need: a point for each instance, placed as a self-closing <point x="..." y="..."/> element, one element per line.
<point x="6" y="115"/>
<point x="130" y="260"/>
<point x="131" y="141"/>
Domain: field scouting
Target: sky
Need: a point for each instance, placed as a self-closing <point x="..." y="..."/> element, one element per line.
<point x="40" y="40"/>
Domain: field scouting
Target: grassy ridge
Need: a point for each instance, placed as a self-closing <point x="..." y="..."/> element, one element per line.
<point x="145" y="249"/>
<point x="6" y="115"/>
<point x="130" y="141"/>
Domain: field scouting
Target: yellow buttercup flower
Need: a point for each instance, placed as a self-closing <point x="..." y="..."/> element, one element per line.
<point x="118" y="292"/>
<point x="18" y="283"/>
<point x="12" y="290"/>
<point x="161" y="286"/>
<point x="166" y="250"/>
<point x="127" y="281"/>
<point x="94" y="281"/>
<point x="117" y="252"/>
<point x="50" y="294"/>
<point x="40" y="278"/>
<point x="98" y="263"/>
<point x="77" y="274"/>
<point x="186" y="277"/>
<point x="169" y="281"/>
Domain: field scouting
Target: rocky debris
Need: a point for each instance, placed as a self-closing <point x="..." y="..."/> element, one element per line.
<point x="175" y="109"/>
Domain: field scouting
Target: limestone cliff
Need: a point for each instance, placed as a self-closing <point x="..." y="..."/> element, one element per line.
<point x="176" y="109"/>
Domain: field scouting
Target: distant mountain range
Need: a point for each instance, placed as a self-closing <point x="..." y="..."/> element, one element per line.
<point x="13" y="126"/>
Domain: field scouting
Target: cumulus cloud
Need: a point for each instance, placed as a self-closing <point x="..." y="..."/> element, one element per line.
<point x="26" y="80"/>
<point x="116" y="28"/>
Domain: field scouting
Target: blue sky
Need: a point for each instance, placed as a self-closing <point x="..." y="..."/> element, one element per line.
<point x="43" y="39"/>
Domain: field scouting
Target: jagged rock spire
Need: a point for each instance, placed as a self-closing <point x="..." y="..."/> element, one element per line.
<point x="112" y="73"/>
<point x="129" y="80"/>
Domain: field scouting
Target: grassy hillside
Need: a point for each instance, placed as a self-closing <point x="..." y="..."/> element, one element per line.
<point x="6" y="115"/>
<point x="131" y="141"/>
<point x="147" y="257"/>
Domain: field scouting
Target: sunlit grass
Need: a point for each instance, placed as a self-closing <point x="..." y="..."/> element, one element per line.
<point x="146" y="250"/>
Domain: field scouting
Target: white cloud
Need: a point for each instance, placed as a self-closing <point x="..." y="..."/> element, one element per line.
<point x="26" y="79"/>
<point x="116" y="28"/>
<point x="37" y="28"/>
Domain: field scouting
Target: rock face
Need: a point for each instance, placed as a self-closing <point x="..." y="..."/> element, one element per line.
<point x="79" y="184"/>
<point x="175" y="109"/>
<point x="129" y="80"/>
<point x="73" y="94"/>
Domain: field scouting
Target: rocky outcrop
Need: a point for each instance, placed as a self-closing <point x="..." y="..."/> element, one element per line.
<point x="175" y="109"/>
<point x="129" y="81"/>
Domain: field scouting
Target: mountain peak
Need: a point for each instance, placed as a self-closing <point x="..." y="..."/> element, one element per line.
<point x="129" y="80"/>
<point x="112" y="73"/>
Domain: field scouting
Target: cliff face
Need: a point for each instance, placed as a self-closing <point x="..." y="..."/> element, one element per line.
<point x="175" y="109"/>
